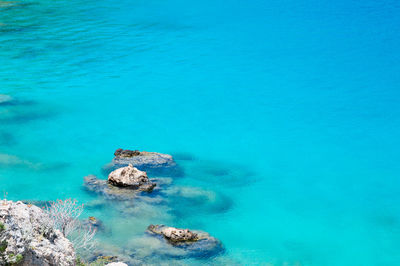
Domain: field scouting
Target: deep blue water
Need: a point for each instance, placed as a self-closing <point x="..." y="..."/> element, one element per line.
<point x="288" y="111"/>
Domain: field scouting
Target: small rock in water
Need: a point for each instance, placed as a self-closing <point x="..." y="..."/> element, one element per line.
<point x="154" y="162"/>
<point x="96" y="223"/>
<point x="174" y="234"/>
<point x="126" y="153"/>
<point x="130" y="177"/>
<point x="194" y="243"/>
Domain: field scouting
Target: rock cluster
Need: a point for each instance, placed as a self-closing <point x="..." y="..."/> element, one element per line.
<point x="128" y="178"/>
<point x="27" y="237"/>
<point x="131" y="177"/>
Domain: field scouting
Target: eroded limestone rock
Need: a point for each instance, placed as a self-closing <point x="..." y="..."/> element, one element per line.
<point x="193" y="243"/>
<point x="27" y="237"/>
<point x="130" y="177"/>
<point x="173" y="234"/>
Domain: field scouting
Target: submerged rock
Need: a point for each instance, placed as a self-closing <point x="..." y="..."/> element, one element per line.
<point x="195" y="243"/>
<point x="27" y="237"/>
<point x="5" y="98"/>
<point x="203" y="200"/>
<point x="130" y="177"/>
<point x="154" y="162"/>
<point x="143" y="158"/>
<point x="96" y="223"/>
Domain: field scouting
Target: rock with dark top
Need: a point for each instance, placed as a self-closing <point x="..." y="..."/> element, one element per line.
<point x="126" y="153"/>
<point x="152" y="162"/>
<point x="195" y="243"/>
<point x="130" y="177"/>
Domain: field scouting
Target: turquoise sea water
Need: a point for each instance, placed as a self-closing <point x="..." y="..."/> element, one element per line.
<point x="284" y="116"/>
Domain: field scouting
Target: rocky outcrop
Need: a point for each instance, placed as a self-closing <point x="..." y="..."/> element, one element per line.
<point x="194" y="243"/>
<point x="27" y="237"/>
<point x="153" y="162"/>
<point x="173" y="234"/>
<point x="130" y="177"/>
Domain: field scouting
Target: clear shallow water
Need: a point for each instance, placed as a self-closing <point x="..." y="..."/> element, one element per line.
<point x="289" y="109"/>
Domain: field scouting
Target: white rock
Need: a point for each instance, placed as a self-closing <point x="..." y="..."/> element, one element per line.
<point x="130" y="177"/>
<point x="30" y="237"/>
<point x="116" y="264"/>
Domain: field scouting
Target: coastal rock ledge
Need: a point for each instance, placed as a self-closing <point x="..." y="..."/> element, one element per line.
<point x="27" y="237"/>
<point x="130" y="177"/>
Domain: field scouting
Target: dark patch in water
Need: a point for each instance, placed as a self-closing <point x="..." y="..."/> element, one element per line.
<point x="54" y="167"/>
<point x="183" y="206"/>
<point x="386" y="220"/>
<point x="26" y="117"/>
<point x="183" y="156"/>
<point x="16" y="102"/>
<point x="223" y="174"/>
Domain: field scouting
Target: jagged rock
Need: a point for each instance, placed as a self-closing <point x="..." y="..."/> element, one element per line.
<point x="173" y="234"/>
<point x="193" y="243"/>
<point x="131" y="177"/>
<point x="126" y="153"/>
<point x="27" y="237"/>
<point x="152" y="162"/>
